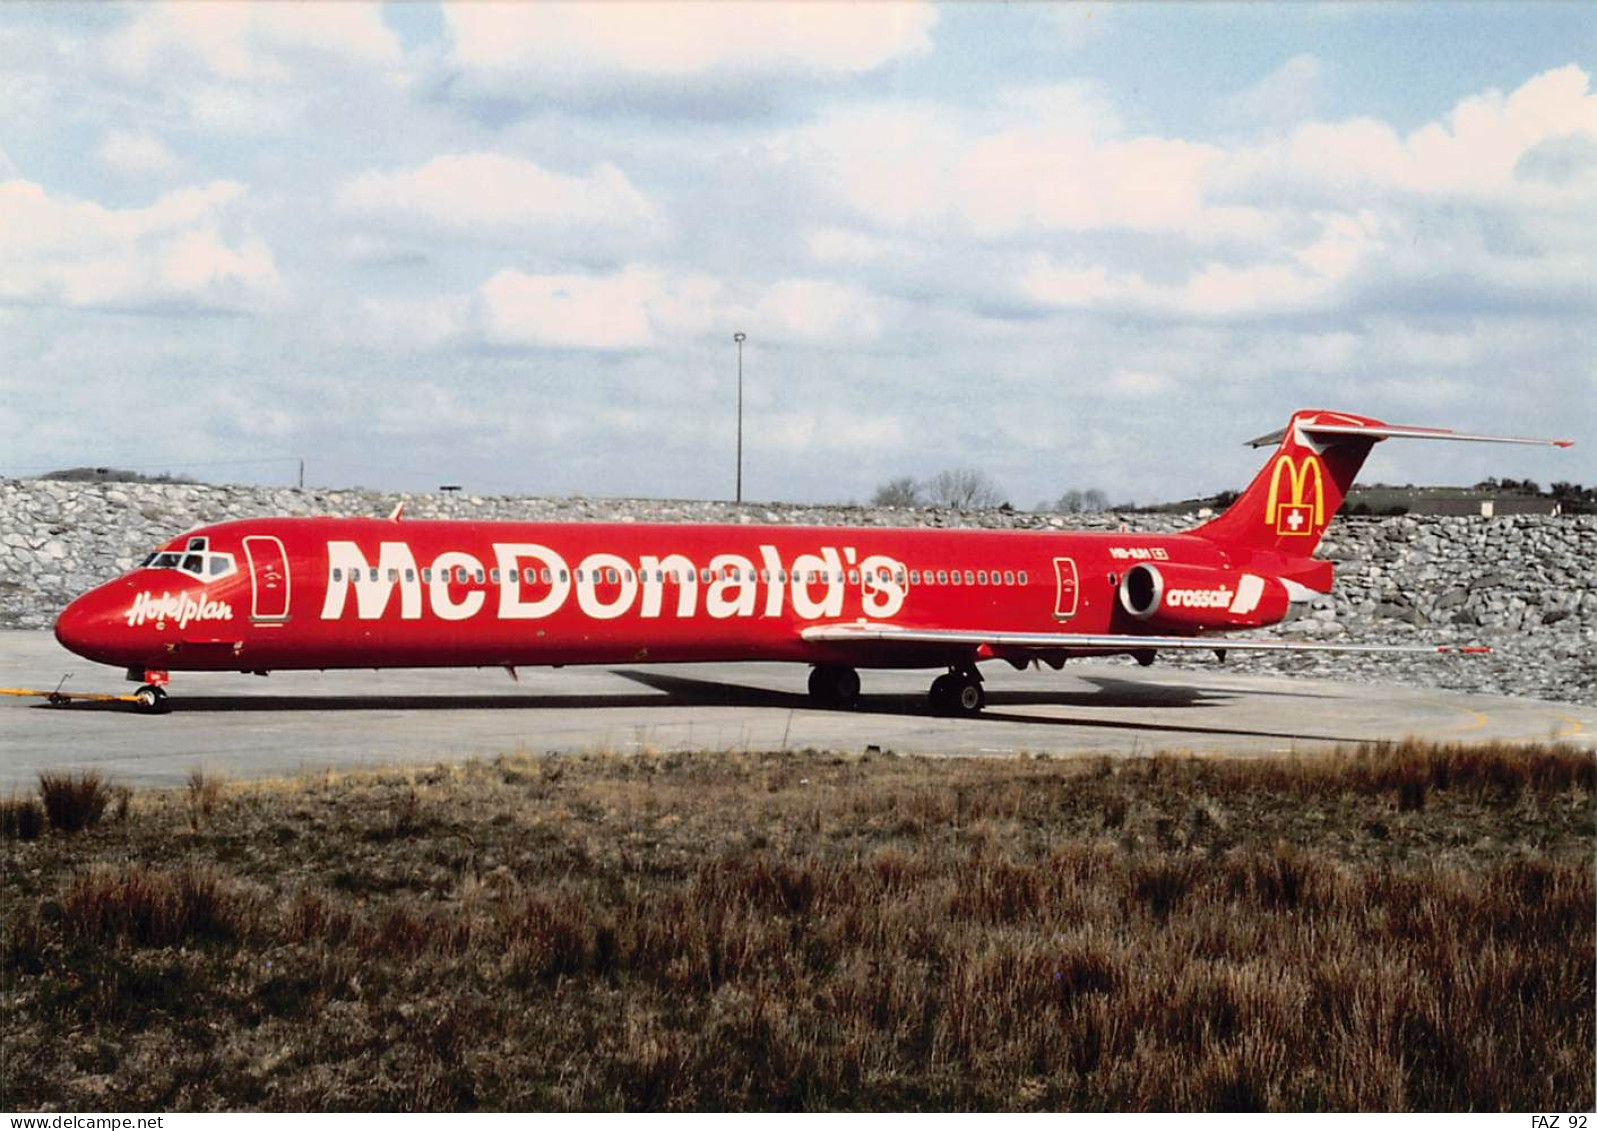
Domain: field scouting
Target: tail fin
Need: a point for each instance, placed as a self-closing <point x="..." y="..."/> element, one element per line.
<point x="1294" y="497"/>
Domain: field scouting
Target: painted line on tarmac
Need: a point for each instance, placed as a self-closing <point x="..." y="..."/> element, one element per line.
<point x="1477" y="723"/>
<point x="1575" y="726"/>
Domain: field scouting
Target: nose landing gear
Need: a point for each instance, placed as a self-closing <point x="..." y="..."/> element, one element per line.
<point x="151" y="699"/>
<point x="958" y="692"/>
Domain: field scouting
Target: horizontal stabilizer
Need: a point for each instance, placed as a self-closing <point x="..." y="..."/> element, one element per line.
<point x="1374" y="431"/>
<point x="1107" y="642"/>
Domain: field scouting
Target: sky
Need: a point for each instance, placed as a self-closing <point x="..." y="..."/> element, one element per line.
<point x="1071" y="245"/>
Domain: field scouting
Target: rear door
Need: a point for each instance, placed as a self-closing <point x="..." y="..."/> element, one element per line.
<point x="1067" y="587"/>
<point x="268" y="577"/>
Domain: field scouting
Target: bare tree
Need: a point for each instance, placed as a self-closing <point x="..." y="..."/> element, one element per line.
<point x="900" y="492"/>
<point x="1090" y="501"/>
<point x="964" y="489"/>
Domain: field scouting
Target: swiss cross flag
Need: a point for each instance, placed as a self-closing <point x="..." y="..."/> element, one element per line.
<point x="1294" y="519"/>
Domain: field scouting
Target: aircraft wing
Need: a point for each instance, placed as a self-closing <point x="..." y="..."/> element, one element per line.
<point x="863" y="631"/>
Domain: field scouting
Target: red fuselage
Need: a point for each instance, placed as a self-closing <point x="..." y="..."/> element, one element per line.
<point x="286" y="593"/>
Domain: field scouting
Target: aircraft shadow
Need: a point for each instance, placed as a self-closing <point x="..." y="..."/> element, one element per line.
<point x="1111" y="693"/>
<point x="675" y="691"/>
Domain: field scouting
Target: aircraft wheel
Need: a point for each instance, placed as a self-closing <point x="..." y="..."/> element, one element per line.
<point x="152" y="699"/>
<point x="957" y="693"/>
<point x="834" y="686"/>
<point x="969" y="698"/>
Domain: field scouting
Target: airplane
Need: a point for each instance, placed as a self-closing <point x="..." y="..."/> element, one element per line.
<point x="271" y="594"/>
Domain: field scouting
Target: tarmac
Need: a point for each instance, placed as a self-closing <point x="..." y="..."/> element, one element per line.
<point x="289" y="723"/>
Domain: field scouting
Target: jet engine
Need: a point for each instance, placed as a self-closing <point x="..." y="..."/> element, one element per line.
<point x="1175" y="597"/>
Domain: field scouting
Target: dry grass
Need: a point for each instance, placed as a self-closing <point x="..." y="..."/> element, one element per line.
<point x="1408" y="927"/>
<point x="21" y="818"/>
<point x="74" y="802"/>
<point x="204" y="797"/>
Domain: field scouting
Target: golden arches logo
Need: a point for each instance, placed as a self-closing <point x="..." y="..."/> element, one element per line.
<point x="1280" y="512"/>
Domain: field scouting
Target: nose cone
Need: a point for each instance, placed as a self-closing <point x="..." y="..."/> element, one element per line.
<point x="91" y="627"/>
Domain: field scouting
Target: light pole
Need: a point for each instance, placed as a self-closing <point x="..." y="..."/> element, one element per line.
<point x="738" y="338"/>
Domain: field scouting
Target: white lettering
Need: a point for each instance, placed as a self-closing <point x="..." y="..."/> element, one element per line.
<point x="443" y="607"/>
<point x="394" y="560"/>
<point x="1197" y="598"/>
<point x="588" y="580"/>
<point x="774" y="587"/>
<point x="880" y="587"/>
<point x="805" y="566"/>
<point x="687" y="588"/>
<point x="181" y="608"/>
<point x="510" y="555"/>
<point x="717" y="601"/>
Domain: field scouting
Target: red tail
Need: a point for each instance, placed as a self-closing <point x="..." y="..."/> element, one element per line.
<point x="1289" y="504"/>
<point x="1293" y="498"/>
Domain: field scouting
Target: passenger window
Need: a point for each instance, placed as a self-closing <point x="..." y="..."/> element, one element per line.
<point x="338" y="574"/>
<point x="562" y="575"/>
<point x="953" y="576"/>
<point x="914" y="577"/>
<point x="900" y="577"/>
<point x="427" y="575"/>
<point x="981" y="577"/>
<point x="479" y="577"/>
<point x="704" y="576"/>
<point x="969" y="579"/>
<point x="610" y="576"/>
<point x="580" y="578"/>
<point x="1023" y="577"/>
<point x="548" y="577"/>
<point x="373" y="572"/>
<point x="942" y="577"/>
<point x="1009" y="577"/>
<point x="461" y="577"/>
<point x="853" y="577"/>
<point x="393" y="575"/>
<point x="410" y="575"/>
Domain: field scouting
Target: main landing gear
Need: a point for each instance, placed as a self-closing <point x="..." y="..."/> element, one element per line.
<point x="959" y="692"/>
<point x="834" y="686"/>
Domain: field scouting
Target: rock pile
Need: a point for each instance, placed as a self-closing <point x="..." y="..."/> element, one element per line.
<point x="1522" y="585"/>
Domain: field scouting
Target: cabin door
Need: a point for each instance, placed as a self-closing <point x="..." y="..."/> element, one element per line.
<point x="268" y="578"/>
<point x="1067" y="588"/>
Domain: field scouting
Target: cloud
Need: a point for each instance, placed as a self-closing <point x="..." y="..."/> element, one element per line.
<point x="641" y="306"/>
<point x="249" y="43"/>
<point x="135" y="154"/>
<point x="234" y="68"/>
<point x="190" y="249"/>
<point x="1045" y="159"/>
<point x="1474" y="152"/>
<point x="1290" y="93"/>
<point x="1132" y="383"/>
<point x="683" y="40"/>
<point x="496" y="194"/>
<point x="1305" y="278"/>
<point x="570" y="311"/>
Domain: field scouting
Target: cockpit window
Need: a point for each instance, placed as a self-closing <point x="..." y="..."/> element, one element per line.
<point x="196" y="559"/>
